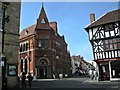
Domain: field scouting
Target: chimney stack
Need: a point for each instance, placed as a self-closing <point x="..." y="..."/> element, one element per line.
<point x="92" y="17"/>
<point x="54" y="26"/>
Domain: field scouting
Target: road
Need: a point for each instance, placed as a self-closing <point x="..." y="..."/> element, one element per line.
<point x="72" y="83"/>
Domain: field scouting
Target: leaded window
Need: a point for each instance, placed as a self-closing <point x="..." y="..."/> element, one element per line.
<point x="43" y="43"/>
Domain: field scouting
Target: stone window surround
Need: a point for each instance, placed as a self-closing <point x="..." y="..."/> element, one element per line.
<point x="24" y="43"/>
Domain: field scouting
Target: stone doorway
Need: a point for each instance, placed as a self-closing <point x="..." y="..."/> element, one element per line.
<point x="43" y="68"/>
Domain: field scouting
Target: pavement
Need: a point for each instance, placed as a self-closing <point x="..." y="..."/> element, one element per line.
<point x="69" y="83"/>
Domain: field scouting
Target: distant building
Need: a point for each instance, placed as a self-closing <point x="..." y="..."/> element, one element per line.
<point x="75" y="62"/>
<point x="80" y="65"/>
<point x="43" y="52"/>
<point x="94" y="64"/>
<point x="9" y="42"/>
<point x="104" y="35"/>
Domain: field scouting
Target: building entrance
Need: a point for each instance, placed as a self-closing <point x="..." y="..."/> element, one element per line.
<point x="43" y="68"/>
<point x="43" y="72"/>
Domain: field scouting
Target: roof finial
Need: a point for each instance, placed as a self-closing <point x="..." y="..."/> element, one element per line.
<point x="42" y="4"/>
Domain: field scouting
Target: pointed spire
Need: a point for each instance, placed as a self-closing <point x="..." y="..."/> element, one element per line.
<point x="42" y="21"/>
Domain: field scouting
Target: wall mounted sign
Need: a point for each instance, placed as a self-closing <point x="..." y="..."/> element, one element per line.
<point x="12" y="70"/>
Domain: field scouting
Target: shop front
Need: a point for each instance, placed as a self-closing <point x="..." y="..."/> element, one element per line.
<point x="114" y="70"/>
<point x="109" y="70"/>
<point x="104" y="73"/>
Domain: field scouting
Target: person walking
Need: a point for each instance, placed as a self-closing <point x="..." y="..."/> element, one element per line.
<point x="95" y="75"/>
<point x="91" y="74"/>
<point x="23" y="80"/>
<point x="30" y="78"/>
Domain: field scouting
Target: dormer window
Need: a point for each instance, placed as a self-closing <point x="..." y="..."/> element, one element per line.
<point x="26" y="32"/>
<point x="43" y="21"/>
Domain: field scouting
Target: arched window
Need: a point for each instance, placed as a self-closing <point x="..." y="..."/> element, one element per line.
<point x="21" y="48"/>
<point x="25" y="65"/>
<point x="21" y="65"/>
<point x="26" y="46"/>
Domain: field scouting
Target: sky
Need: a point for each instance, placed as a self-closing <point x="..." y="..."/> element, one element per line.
<point x="71" y="18"/>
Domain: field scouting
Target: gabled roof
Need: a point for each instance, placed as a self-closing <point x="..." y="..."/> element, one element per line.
<point x="42" y="21"/>
<point x="109" y="17"/>
<point x="31" y="29"/>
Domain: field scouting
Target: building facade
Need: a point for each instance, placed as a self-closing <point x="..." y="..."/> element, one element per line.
<point x="80" y="66"/>
<point x="94" y="64"/>
<point x="43" y="52"/>
<point x="9" y="42"/>
<point x="76" y="62"/>
<point x="104" y="35"/>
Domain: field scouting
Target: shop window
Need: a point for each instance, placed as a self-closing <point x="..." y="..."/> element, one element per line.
<point x="115" y="69"/>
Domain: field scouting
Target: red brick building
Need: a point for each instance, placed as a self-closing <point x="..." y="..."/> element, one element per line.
<point x="43" y="52"/>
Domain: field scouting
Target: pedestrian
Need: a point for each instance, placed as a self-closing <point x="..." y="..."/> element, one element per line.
<point x="95" y="75"/>
<point x="53" y="76"/>
<point x="30" y="78"/>
<point x="91" y="74"/>
<point x="23" y="79"/>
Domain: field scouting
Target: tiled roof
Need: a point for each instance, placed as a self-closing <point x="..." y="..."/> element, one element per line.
<point x="31" y="30"/>
<point x="109" y="17"/>
<point x="27" y="31"/>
